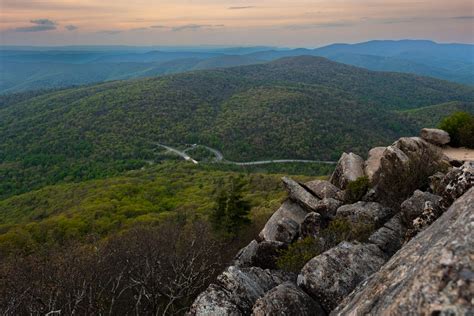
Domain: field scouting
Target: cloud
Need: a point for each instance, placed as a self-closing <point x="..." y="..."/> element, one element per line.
<point x="336" y="24"/>
<point x="194" y="27"/>
<point x="70" y="27"/>
<point x="109" y="32"/>
<point x="467" y="17"/>
<point x="158" y="27"/>
<point x="139" y="29"/>
<point x="39" y="26"/>
<point x="241" y="8"/>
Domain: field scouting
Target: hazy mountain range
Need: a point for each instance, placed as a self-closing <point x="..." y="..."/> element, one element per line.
<point x="30" y="68"/>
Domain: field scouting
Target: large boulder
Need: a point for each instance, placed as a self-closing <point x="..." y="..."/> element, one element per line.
<point x="390" y="237"/>
<point x="300" y="194"/>
<point x="372" y="164"/>
<point x="366" y="212"/>
<point x="332" y="275"/>
<point x="311" y="226"/>
<point x="435" y="136"/>
<point x="284" y="224"/>
<point x="287" y="300"/>
<point x="404" y="167"/>
<point x="349" y="168"/>
<point x="323" y="189"/>
<point x="327" y="207"/>
<point x="236" y="291"/>
<point x="431" y="275"/>
<point x="456" y="183"/>
<point x="414" y="206"/>
<point x="262" y="255"/>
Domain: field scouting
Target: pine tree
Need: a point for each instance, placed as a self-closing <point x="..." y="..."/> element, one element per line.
<point x="231" y="210"/>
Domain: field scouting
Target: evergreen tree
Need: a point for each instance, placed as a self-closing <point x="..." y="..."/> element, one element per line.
<point x="231" y="210"/>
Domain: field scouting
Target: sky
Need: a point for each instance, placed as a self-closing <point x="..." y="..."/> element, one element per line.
<point x="284" y="23"/>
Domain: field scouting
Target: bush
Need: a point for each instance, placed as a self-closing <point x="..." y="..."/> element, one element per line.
<point x="460" y="126"/>
<point x="356" y="189"/>
<point x="299" y="253"/>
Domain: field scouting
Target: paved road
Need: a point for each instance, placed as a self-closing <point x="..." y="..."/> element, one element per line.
<point x="178" y="152"/>
<point x="220" y="157"/>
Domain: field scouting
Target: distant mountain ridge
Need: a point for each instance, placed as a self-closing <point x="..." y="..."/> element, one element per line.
<point x="24" y="70"/>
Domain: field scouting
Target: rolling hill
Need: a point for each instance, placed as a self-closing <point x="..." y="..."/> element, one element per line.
<point x="300" y="108"/>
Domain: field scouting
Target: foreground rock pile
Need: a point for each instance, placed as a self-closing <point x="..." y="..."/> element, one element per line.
<point x="417" y="259"/>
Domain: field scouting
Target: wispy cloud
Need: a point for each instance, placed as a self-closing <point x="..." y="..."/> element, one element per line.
<point x="158" y="27"/>
<point x="39" y="25"/>
<point x="139" y="29"/>
<point x="335" y="24"/>
<point x="466" y="17"/>
<point x="109" y="32"/>
<point x="242" y="8"/>
<point x="70" y="27"/>
<point x="193" y="27"/>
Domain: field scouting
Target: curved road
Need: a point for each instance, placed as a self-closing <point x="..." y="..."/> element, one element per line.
<point x="220" y="157"/>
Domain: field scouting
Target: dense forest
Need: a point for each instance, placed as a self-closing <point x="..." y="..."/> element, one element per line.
<point x="298" y="108"/>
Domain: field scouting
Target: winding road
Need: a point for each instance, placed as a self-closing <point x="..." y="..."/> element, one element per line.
<point x="219" y="157"/>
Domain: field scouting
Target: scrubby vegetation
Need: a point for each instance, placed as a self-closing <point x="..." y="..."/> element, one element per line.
<point x="357" y="189"/>
<point x="299" y="253"/>
<point x="460" y="127"/>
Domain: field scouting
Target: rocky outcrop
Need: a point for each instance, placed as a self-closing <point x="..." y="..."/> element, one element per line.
<point x="262" y="255"/>
<point x="366" y="212"/>
<point x="417" y="204"/>
<point x="331" y="276"/>
<point x="456" y="183"/>
<point x="431" y="275"/>
<point x="287" y="300"/>
<point x="390" y="237"/>
<point x="404" y="167"/>
<point x="372" y="164"/>
<point x="327" y="207"/>
<point x="311" y="226"/>
<point x="284" y="224"/>
<point x="300" y="195"/>
<point x="236" y="291"/>
<point x="435" y="136"/>
<point x="323" y="189"/>
<point x="349" y="168"/>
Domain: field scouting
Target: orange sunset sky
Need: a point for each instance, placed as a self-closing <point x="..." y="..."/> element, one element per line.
<point x="245" y="22"/>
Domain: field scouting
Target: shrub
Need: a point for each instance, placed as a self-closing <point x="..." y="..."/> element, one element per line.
<point x="299" y="253"/>
<point x="356" y="189"/>
<point x="460" y="126"/>
<point x="295" y="257"/>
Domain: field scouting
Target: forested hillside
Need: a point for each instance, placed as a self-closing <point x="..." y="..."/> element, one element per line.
<point x="304" y="107"/>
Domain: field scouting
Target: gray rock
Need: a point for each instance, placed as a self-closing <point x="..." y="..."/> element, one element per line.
<point x="311" y="225"/>
<point x="328" y="207"/>
<point x="299" y="194"/>
<point x="435" y="136"/>
<point x="274" y="228"/>
<point x="366" y="212"/>
<point x="390" y="237"/>
<point x="417" y="204"/>
<point x="372" y="164"/>
<point x="244" y="257"/>
<point x="435" y="181"/>
<point x="262" y="255"/>
<point x="331" y="276"/>
<point x="236" y="290"/>
<point x="456" y="183"/>
<point x="404" y="167"/>
<point x="215" y="301"/>
<point x="349" y="168"/>
<point x="431" y="275"/>
<point x="287" y="300"/>
<point x="323" y="189"/>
